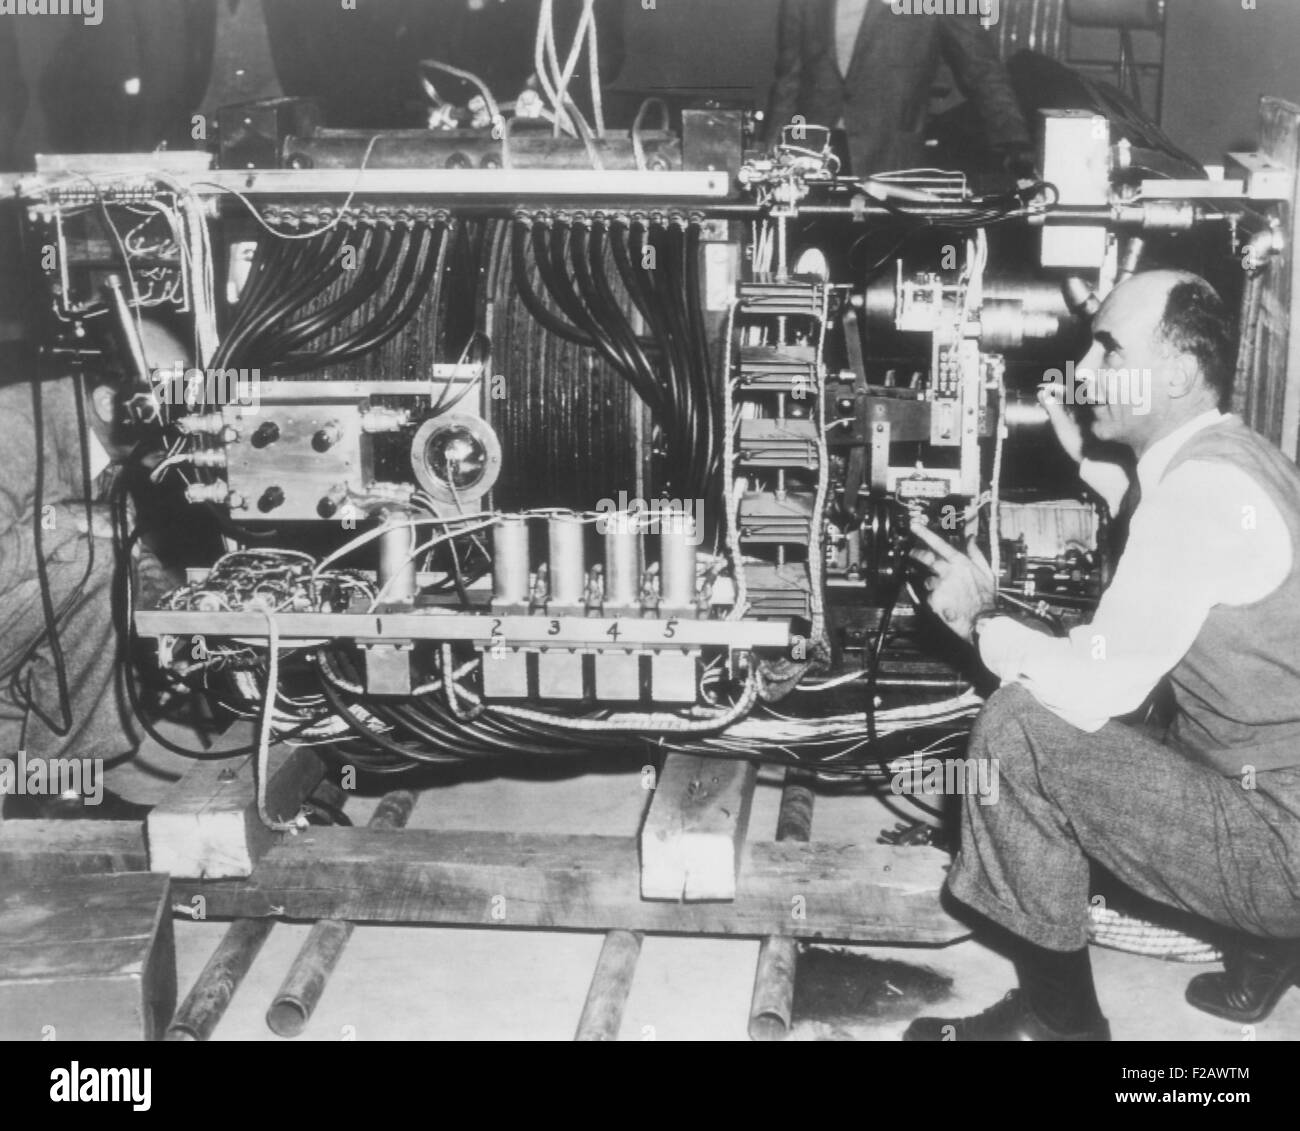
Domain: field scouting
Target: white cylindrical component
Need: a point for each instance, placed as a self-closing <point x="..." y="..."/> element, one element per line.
<point x="211" y="458"/>
<point x="206" y="424"/>
<point x="622" y="561"/>
<point x="209" y="493"/>
<point x="677" y="540"/>
<point x="376" y="420"/>
<point x="510" y="561"/>
<point x="397" y="566"/>
<point x="568" y="559"/>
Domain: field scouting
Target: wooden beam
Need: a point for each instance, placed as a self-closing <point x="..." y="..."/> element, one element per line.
<point x="833" y="891"/>
<point x="87" y="958"/>
<point x="695" y="828"/>
<point x="37" y="851"/>
<point x="207" y="826"/>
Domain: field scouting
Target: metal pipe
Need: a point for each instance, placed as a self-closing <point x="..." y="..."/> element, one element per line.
<point x="602" y="1013"/>
<point x="772" y="1006"/>
<point x="206" y="1003"/>
<point x="510" y="560"/>
<point x="130" y="329"/>
<point x="301" y="991"/>
<point x="567" y="537"/>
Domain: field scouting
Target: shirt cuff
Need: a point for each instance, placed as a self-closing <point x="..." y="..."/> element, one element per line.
<point x="1109" y="480"/>
<point x="1001" y="646"/>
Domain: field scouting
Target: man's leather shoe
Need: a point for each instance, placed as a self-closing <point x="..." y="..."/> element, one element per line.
<point x="1254" y="976"/>
<point x="1012" y="1019"/>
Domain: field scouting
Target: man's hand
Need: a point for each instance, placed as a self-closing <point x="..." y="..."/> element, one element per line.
<point x="1064" y="424"/>
<point x="963" y="585"/>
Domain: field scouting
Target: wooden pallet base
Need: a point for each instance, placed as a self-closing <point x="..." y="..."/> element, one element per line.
<point x="831" y="891"/>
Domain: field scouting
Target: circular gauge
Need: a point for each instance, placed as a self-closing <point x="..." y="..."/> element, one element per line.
<point x="456" y="458"/>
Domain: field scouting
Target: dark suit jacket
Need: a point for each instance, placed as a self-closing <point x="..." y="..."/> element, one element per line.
<point x="884" y="97"/>
<point x="361" y="63"/>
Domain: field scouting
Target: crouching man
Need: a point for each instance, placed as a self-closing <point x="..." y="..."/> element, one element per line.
<point x="1207" y="592"/>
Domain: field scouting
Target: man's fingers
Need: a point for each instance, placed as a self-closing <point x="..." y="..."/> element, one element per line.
<point x="935" y="543"/>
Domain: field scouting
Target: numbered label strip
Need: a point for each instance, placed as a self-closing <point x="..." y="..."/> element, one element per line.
<point x="599" y="633"/>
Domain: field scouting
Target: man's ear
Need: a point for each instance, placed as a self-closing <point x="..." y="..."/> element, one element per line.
<point x="1183" y="375"/>
<point x="104" y="401"/>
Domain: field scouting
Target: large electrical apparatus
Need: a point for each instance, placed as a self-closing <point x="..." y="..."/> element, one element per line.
<point x="531" y="446"/>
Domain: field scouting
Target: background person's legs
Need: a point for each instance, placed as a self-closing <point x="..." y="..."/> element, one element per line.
<point x="100" y="721"/>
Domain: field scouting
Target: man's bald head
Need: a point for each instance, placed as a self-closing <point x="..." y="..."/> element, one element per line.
<point x="1171" y="330"/>
<point x="1186" y="313"/>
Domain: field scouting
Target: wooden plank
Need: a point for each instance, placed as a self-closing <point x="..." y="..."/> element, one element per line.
<point x="87" y="958"/>
<point x="37" y="851"/>
<point x="834" y="891"/>
<point x="208" y="827"/>
<point x="695" y="827"/>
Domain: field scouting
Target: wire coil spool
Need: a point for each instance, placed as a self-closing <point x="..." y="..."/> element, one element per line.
<point x="622" y="561"/>
<point x="567" y="536"/>
<point x="510" y="566"/>
<point x="574" y="431"/>
<point x="678" y="535"/>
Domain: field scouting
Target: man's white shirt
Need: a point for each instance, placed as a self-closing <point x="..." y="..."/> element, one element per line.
<point x="848" y="22"/>
<point x="100" y="460"/>
<point x="1207" y="534"/>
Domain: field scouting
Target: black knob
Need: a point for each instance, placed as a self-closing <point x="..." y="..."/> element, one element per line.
<point x="327" y="507"/>
<point x="326" y="438"/>
<point x="271" y="498"/>
<point x="266" y="435"/>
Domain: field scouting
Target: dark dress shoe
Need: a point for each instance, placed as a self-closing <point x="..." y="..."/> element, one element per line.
<point x="1011" y="1019"/>
<point x="1254" y="976"/>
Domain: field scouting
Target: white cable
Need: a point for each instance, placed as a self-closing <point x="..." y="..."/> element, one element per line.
<point x="311" y="235"/>
<point x="262" y="765"/>
<point x="732" y="503"/>
<point x="995" y="516"/>
<point x="593" y="68"/>
<point x="817" y="556"/>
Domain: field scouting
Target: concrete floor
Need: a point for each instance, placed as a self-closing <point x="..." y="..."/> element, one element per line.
<point x="426" y="983"/>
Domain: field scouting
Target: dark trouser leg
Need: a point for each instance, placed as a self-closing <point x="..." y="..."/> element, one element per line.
<point x="1170" y="828"/>
<point x="100" y="720"/>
